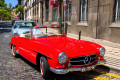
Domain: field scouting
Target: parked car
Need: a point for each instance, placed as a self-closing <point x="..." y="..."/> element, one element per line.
<point x="21" y="26"/>
<point x="54" y="52"/>
<point x="13" y="21"/>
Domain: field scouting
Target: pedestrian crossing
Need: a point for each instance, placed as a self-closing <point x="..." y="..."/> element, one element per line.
<point x="99" y="74"/>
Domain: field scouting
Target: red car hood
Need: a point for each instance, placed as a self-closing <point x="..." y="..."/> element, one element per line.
<point x="72" y="47"/>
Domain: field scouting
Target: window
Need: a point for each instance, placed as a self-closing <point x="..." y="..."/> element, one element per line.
<point x="37" y="9"/>
<point x="47" y="12"/>
<point x="83" y="10"/>
<point x="68" y="11"/>
<point x="33" y="11"/>
<point x="116" y="11"/>
<point x="54" y="14"/>
<point x="26" y="24"/>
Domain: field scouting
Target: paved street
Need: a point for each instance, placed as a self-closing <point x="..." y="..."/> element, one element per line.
<point x="20" y="69"/>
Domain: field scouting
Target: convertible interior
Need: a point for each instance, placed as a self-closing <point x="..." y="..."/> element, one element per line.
<point x="28" y="35"/>
<point x="51" y="32"/>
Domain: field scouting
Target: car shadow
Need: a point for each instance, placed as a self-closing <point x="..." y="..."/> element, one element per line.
<point x="72" y="75"/>
<point x="29" y="63"/>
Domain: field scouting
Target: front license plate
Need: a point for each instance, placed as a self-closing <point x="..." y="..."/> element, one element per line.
<point x="87" y="68"/>
<point x="90" y="68"/>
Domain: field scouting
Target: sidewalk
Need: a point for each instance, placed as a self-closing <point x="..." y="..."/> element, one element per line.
<point x="112" y="55"/>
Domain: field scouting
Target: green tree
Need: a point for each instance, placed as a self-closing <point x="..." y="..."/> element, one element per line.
<point x="19" y="9"/>
<point x="2" y="4"/>
<point x="10" y="5"/>
<point x="16" y="6"/>
<point x="5" y="14"/>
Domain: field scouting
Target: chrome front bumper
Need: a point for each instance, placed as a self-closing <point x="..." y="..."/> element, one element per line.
<point x="82" y="69"/>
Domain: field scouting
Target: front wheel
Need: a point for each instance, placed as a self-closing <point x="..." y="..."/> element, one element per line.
<point x="44" y="68"/>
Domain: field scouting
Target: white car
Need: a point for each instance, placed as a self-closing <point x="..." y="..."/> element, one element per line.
<point x="22" y="26"/>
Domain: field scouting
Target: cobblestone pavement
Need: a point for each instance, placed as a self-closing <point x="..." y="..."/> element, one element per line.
<point x="20" y="69"/>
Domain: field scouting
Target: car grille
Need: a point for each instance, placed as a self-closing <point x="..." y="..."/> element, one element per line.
<point x="83" y="60"/>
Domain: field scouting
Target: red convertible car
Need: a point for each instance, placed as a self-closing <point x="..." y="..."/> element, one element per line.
<point x="54" y="52"/>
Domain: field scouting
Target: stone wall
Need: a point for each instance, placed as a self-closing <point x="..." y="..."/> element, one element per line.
<point x="100" y="17"/>
<point x="107" y="29"/>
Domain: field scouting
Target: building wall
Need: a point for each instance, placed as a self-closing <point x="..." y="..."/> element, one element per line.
<point x="74" y="26"/>
<point x="106" y="28"/>
<point x="100" y="19"/>
<point x="32" y="11"/>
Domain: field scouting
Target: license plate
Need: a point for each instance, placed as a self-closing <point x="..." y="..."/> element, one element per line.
<point x="90" y="68"/>
<point x="87" y="68"/>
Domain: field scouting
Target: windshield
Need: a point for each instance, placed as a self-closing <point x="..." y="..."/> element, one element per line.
<point x="26" y="24"/>
<point x="46" y="32"/>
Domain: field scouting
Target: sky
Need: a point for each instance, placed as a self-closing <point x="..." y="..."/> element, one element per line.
<point x="13" y="2"/>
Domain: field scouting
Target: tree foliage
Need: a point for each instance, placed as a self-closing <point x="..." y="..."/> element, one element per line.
<point x="10" y="5"/>
<point x="19" y="9"/>
<point x="2" y="4"/>
<point x="5" y="13"/>
<point x="16" y="6"/>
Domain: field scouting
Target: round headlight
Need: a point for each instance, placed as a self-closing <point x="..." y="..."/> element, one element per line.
<point x="102" y="51"/>
<point x="62" y="58"/>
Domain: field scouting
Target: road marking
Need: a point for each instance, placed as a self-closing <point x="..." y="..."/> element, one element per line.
<point x="108" y="74"/>
<point x="95" y="77"/>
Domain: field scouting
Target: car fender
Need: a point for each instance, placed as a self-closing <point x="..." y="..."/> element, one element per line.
<point x="49" y="52"/>
<point x="14" y="41"/>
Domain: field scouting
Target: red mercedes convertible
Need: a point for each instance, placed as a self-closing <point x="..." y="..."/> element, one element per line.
<point x="54" y="52"/>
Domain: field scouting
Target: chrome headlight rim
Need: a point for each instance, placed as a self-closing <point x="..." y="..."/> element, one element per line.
<point x="102" y="51"/>
<point x="64" y="56"/>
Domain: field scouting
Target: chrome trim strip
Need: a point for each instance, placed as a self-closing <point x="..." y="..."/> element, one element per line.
<point x="83" y="65"/>
<point x="24" y="49"/>
<point x="82" y="69"/>
<point x="77" y="61"/>
<point x="93" y="58"/>
<point x="83" y="60"/>
<point x="85" y="56"/>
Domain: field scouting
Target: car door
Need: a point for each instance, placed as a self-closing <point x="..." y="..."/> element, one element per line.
<point x="24" y="47"/>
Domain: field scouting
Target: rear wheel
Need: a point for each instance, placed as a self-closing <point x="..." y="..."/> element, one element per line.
<point x="13" y="51"/>
<point x="44" y="68"/>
